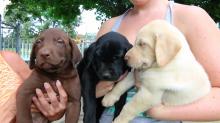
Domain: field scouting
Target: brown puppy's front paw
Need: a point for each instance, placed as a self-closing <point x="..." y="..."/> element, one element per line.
<point x="109" y="100"/>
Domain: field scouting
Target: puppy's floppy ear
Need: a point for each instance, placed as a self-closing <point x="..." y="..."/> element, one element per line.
<point x="89" y="54"/>
<point x="166" y="48"/>
<point x="76" y="55"/>
<point x="128" y="47"/>
<point x="32" y="57"/>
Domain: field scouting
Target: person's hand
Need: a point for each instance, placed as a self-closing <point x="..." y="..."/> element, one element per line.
<point x="103" y="87"/>
<point x="52" y="107"/>
<point x="156" y="111"/>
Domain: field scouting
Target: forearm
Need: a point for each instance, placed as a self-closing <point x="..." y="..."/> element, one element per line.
<point x="205" y="109"/>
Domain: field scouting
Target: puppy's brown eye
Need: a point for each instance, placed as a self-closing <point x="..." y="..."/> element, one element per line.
<point x="38" y="41"/>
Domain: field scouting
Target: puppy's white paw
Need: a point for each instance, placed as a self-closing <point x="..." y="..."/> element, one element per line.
<point x="109" y="100"/>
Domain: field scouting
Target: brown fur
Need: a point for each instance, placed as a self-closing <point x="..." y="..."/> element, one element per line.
<point x="53" y="57"/>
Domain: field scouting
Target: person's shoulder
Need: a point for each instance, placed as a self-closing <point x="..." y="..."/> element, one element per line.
<point x="106" y="26"/>
<point x="191" y="13"/>
<point x="188" y="8"/>
<point x="190" y="17"/>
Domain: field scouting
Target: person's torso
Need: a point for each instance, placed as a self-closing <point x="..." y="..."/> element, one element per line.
<point x="129" y="26"/>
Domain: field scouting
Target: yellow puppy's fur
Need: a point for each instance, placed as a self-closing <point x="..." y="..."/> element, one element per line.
<point x="168" y="72"/>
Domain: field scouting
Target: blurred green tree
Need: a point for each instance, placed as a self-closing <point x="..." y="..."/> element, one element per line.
<point x="68" y="11"/>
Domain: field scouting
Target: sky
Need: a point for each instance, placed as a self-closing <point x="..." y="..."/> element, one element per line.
<point x="3" y="3"/>
<point x="89" y="23"/>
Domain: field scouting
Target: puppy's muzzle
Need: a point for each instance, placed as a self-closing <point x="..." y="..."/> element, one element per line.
<point x="45" y="53"/>
<point x="106" y="75"/>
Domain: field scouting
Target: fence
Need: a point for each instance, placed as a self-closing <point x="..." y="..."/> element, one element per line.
<point x="25" y="49"/>
<point x="10" y="40"/>
<point x="10" y="36"/>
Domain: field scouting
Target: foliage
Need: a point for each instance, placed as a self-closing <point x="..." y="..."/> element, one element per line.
<point x="107" y="8"/>
<point x="59" y="10"/>
<point x="110" y="8"/>
<point x="34" y="18"/>
<point x="67" y="11"/>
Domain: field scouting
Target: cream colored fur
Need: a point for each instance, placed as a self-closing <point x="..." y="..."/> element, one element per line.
<point x="168" y="72"/>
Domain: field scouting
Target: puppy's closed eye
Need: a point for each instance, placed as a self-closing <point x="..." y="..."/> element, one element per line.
<point x="60" y="42"/>
<point x="38" y="41"/>
<point x="141" y="43"/>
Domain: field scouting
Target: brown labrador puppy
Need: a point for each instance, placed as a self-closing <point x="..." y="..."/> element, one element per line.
<point x="54" y="57"/>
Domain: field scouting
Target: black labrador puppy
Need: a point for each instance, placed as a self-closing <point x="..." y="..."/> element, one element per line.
<point x="103" y="60"/>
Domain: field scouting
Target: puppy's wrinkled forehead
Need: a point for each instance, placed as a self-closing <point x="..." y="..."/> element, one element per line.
<point x="53" y="34"/>
<point x="110" y="49"/>
<point x="112" y="44"/>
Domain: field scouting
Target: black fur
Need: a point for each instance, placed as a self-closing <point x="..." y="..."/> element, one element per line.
<point x="103" y="60"/>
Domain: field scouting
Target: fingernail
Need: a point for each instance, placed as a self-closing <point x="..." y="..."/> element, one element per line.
<point x="34" y="98"/>
<point x="46" y="85"/>
<point x="38" y="91"/>
<point x="58" y="83"/>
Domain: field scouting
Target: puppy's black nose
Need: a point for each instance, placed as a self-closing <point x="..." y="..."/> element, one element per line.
<point x="106" y="75"/>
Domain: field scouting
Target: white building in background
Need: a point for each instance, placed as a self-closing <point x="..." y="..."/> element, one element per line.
<point x="3" y="4"/>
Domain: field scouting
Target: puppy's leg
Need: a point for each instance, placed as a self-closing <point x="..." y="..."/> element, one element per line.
<point x="119" y="105"/>
<point x="89" y="101"/>
<point x="73" y="89"/>
<point x="89" y="108"/>
<point x="72" y="112"/>
<point x="120" y="88"/>
<point x="39" y="118"/>
<point x="23" y="105"/>
<point x="141" y="102"/>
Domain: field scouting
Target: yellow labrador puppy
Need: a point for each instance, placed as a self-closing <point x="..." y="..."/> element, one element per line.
<point x="168" y="72"/>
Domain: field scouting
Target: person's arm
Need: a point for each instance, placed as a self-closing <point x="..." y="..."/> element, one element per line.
<point x="204" y="39"/>
<point x="205" y="109"/>
<point x="53" y="110"/>
<point x="16" y="63"/>
<point x="106" y="27"/>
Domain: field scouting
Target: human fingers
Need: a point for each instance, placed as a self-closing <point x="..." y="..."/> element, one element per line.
<point x="137" y="84"/>
<point x="105" y="84"/>
<point x="103" y="88"/>
<point x="37" y="106"/>
<point x="51" y="95"/>
<point x="46" y="108"/>
<point x="62" y="94"/>
<point x="43" y="105"/>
